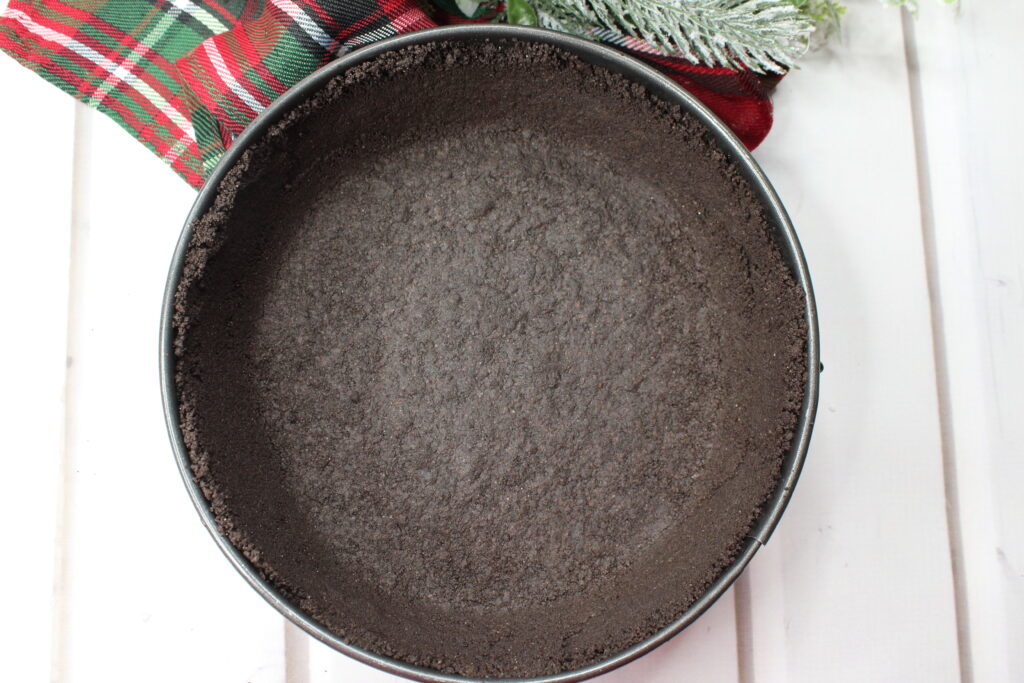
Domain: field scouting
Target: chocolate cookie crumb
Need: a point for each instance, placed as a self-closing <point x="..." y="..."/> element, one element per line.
<point x="487" y="359"/>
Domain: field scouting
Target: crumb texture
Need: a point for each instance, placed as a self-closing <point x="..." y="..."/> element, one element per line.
<point x="487" y="359"/>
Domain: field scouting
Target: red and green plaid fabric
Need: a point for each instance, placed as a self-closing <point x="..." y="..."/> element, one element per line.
<point x="186" y="76"/>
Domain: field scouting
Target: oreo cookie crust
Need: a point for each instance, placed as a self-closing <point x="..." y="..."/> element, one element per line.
<point x="487" y="359"/>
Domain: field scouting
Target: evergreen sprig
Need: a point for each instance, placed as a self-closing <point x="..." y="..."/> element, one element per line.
<point x="824" y="13"/>
<point x="768" y="36"/>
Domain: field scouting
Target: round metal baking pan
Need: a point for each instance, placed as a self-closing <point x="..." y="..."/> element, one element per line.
<point x="660" y="86"/>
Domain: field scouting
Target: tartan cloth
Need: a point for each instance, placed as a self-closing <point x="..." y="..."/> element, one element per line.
<point x="186" y="76"/>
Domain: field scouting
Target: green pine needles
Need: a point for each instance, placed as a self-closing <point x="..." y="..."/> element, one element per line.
<point x="768" y="36"/>
<point x="824" y="13"/>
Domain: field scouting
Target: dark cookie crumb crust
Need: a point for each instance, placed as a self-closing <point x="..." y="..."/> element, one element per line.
<point x="487" y="359"/>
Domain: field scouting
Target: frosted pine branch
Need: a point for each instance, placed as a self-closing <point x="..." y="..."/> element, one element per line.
<point x="763" y="35"/>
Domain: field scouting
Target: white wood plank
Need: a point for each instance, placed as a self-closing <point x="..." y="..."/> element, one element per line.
<point x="704" y="652"/>
<point x="856" y="583"/>
<point x="148" y="595"/>
<point x="970" y="103"/>
<point x="35" y="214"/>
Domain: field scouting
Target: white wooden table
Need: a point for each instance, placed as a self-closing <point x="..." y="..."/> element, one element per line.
<point x="901" y="557"/>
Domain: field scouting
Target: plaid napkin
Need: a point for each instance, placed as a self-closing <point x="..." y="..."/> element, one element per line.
<point x="186" y="76"/>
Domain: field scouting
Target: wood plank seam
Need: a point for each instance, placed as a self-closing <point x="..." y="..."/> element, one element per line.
<point x="744" y="631"/>
<point x="296" y="654"/>
<point x="924" y="188"/>
<point x="79" y="192"/>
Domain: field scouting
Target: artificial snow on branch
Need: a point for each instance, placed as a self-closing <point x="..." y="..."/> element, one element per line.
<point x="767" y="36"/>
